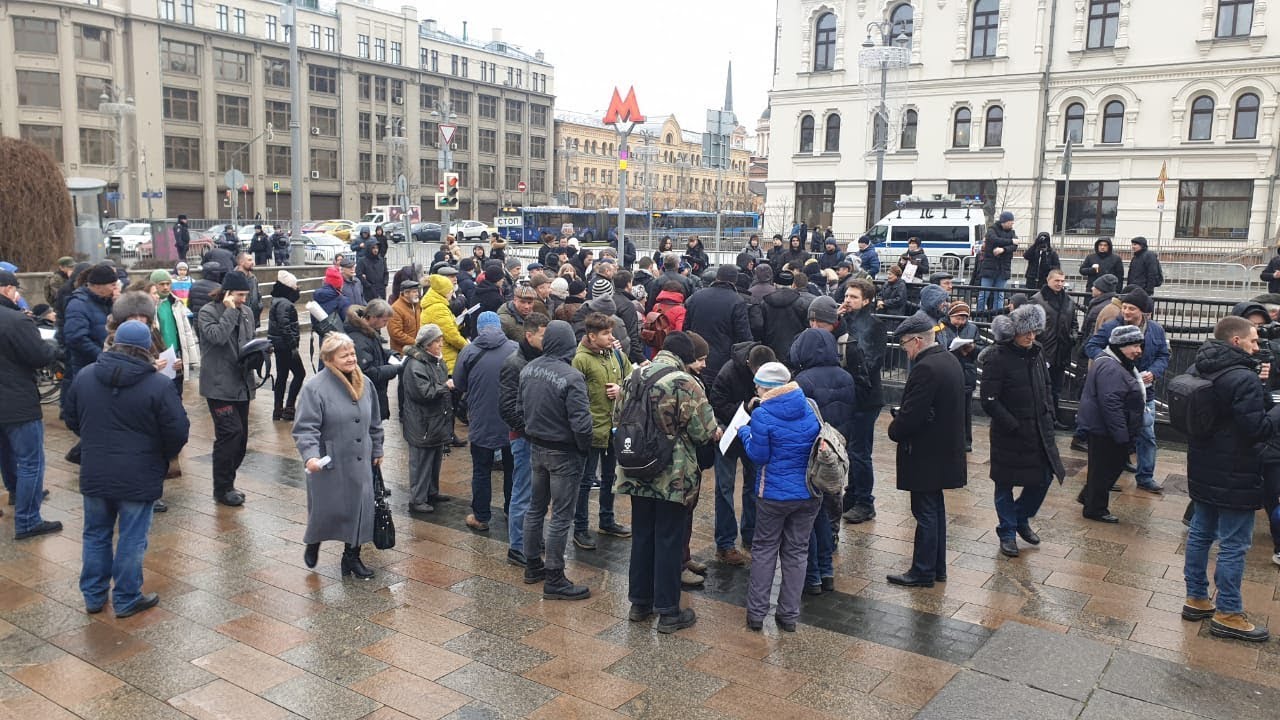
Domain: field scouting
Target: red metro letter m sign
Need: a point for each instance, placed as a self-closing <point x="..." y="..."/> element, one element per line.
<point x="627" y="111"/>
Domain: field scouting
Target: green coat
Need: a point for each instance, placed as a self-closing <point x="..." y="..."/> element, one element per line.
<point x="684" y="412"/>
<point x="600" y="369"/>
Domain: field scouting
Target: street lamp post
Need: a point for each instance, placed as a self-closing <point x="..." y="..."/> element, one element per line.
<point x="682" y="167"/>
<point x="397" y="147"/>
<point x="295" y="123"/>
<point x="445" y="157"/>
<point x="892" y="52"/>
<point x="647" y="152"/>
<point x="119" y="107"/>
<point x="569" y="154"/>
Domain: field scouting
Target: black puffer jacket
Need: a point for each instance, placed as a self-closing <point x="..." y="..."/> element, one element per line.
<point x="786" y="315"/>
<point x="894" y="297"/>
<point x="1225" y="469"/>
<point x="1107" y="261"/>
<point x="733" y="386"/>
<point x="509" y="380"/>
<point x="1059" y="334"/>
<point x="1144" y="268"/>
<point x="22" y="352"/>
<point x="1016" y="396"/>
<point x="282" y="319"/>
<point x="997" y="266"/>
<point x="1270" y="275"/>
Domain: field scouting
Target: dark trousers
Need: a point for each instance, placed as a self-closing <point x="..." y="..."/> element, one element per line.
<point x="554" y="482"/>
<point x="1271" y="486"/>
<point x="782" y="538"/>
<point x="862" y="476"/>
<point x="288" y="362"/>
<point x="1107" y="459"/>
<point x="1057" y="374"/>
<point x="482" y="481"/>
<point x="1013" y="513"/>
<point x="688" y="526"/>
<point x="230" y="439"/>
<point x="929" y="558"/>
<point x="654" y="575"/>
<point x="968" y="415"/>
<point x="608" y="464"/>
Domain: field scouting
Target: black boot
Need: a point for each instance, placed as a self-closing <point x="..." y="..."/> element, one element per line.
<point x="559" y="587"/>
<point x="311" y="555"/>
<point x="277" y="412"/>
<point x="287" y="413"/>
<point x="534" y="571"/>
<point x="352" y="565"/>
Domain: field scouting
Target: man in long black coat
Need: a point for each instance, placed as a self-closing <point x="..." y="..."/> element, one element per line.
<point x="929" y="430"/>
<point x="1015" y="395"/>
<point x="720" y="317"/>
<point x="1058" y="336"/>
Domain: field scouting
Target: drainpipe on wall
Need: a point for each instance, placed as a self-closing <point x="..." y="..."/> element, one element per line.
<point x="1044" y="112"/>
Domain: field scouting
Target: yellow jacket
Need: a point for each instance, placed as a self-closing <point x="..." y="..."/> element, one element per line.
<point x="435" y="309"/>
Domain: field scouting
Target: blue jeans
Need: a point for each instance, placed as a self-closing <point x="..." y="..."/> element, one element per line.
<point x="482" y="480"/>
<point x="1233" y="529"/>
<point x="726" y="522"/>
<point x="602" y="457"/>
<point x="1013" y="514"/>
<point x="862" y="476"/>
<point x="989" y="300"/>
<point x="820" y="549"/>
<point x="520" y="492"/>
<point x="929" y="558"/>
<point x="100" y="517"/>
<point x="1146" y="444"/>
<point x="22" y="460"/>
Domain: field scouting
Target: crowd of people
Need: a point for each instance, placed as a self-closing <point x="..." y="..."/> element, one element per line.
<point x="579" y="374"/>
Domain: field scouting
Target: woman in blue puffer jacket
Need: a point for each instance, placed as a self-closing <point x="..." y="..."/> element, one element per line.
<point x="778" y="439"/>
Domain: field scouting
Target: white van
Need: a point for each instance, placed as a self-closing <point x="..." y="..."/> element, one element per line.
<point x="949" y="230"/>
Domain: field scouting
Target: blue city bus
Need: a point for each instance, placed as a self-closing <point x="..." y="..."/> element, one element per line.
<point x="528" y="224"/>
<point x="684" y="222"/>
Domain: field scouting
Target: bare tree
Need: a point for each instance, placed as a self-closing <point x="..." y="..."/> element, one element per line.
<point x="779" y="215"/>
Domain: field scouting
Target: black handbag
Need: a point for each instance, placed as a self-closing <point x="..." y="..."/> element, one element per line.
<point x="384" y="528"/>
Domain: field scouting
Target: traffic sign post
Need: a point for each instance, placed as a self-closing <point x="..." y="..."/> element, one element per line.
<point x="521" y="187"/>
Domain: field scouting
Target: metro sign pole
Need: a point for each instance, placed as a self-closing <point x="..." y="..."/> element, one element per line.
<point x="623" y="113"/>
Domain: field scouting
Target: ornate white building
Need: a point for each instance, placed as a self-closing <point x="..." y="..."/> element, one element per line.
<point x="993" y="90"/>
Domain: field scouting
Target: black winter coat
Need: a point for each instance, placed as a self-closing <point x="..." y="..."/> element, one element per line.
<point x="427" y="419"/>
<point x="372" y="357"/>
<point x="198" y="297"/>
<point x="130" y="422"/>
<point x="22" y="352"/>
<point x="1017" y="398"/>
<point x="1225" y="469"/>
<point x="625" y="309"/>
<point x="489" y="295"/>
<point x="721" y="317"/>
<point x="84" y="328"/>
<point x="1108" y="264"/>
<point x="731" y="387"/>
<point x="282" y="323"/>
<point x="1059" y="334"/>
<point x="1041" y="258"/>
<point x="260" y="246"/>
<point x="372" y="271"/>
<point x="1090" y="323"/>
<point x="1112" y="401"/>
<point x="509" y="380"/>
<point x="1271" y="274"/>
<point x="786" y="315"/>
<point x="867" y="332"/>
<point x="1145" y="271"/>
<point x="929" y="426"/>
<point x="917" y="258"/>
<point x="997" y="266"/>
<point x="894" y="297"/>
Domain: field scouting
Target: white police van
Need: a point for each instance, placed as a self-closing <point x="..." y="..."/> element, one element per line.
<point x="950" y="230"/>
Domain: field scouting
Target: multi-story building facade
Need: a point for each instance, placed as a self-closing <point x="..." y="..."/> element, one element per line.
<point x="994" y="89"/>
<point x="206" y="79"/>
<point x="663" y="156"/>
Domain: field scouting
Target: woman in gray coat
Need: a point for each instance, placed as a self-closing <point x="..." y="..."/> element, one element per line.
<point x="338" y="419"/>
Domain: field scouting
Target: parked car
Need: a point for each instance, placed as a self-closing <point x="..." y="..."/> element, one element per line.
<point x="472" y="230"/>
<point x="342" y="229"/>
<point x="245" y="233"/>
<point x="322" y="248"/>
<point x="427" y="232"/>
<point x="112" y="226"/>
<point x="128" y="238"/>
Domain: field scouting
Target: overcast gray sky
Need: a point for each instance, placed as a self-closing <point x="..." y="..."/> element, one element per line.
<point x="673" y="51"/>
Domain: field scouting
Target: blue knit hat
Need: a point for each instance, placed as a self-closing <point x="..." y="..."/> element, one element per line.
<point x="488" y="319"/>
<point x="135" y="333"/>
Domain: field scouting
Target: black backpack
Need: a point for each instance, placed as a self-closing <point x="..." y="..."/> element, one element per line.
<point x="1192" y="407"/>
<point x="642" y="448"/>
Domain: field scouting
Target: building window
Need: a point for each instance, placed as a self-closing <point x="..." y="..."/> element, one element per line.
<point x="93" y="43"/>
<point x="538" y="147"/>
<point x="365" y="124"/>
<point x="1073" y="128"/>
<point x="453" y="64"/>
<point x="46" y="137"/>
<point x="233" y="110"/>
<point x="273" y="28"/>
<point x="488" y="107"/>
<point x="902" y="19"/>
<point x="181" y="104"/>
<point x="324" y="163"/>
<point x="1216" y="209"/>
<point x="1246" y="122"/>
<point x="364" y="86"/>
<point x="961" y="127"/>
<point x="488" y="177"/>
<point x="515" y="111"/>
<point x="322" y="79"/>
<point x="910" y="126"/>
<point x="39" y="89"/>
<point x="325" y="120"/>
<point x="1104" y="22"/>
<point x="181" y="153"/>
<point x="428" y="133"/>
<point x="288" y="33"/>
<point x="511" y="179"/>
<point x="278" y="115"/>
<point x="464" y="172"/>
<point x="986" y="24"/>
<point x="983" y="190"/>
<point x="429" y="96"/>
<point x="459" y="102"/>
<point x="1201" y="118"/>
<point x="429" y="171"/>
<point x="365" y="167"/>
<point x="240" y="21"/>
<point x="462" y="138"/>
<point x="464" y="67"/>
<point x="1235" y="18"/>
<point x="362" y="46"/>
<point x="824" y="43"/>
<point x="224" y="18"/>
<point x="513" y="145"/>
<point x="1113" y="122"/>
<point x="167" y="10"/>
<point x="993" y="130"/>
<point x="511" y="73"/>
<point x="315" y="37"/>
<point x="806" y="134"/>
<point x="229" y="66"/>
<point x="380" y="49"/>
<point x="815" y="202"/>
<point x="435" y="61"/>
<point x="330" y="39"/>
<point x="396" y="53"/>
<point x="234" y="154"/>
<point x="35" y="35"/>
<point x="89" y="91"/>
<point x="831" y="143"/>
<point x="1091" y="210"/>
<point x="488" y="141"/>
<point x="537" y="180"/>
<point x="96" y="147"/>
<point x="279" y="160"/>
<point x="188" y="15"/>
<point x="538" y="115"/>
<point x="275" y="72"/>
<point x="179" y="57"/>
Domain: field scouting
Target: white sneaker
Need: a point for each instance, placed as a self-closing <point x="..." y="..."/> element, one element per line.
<point x="1276" y="558"/>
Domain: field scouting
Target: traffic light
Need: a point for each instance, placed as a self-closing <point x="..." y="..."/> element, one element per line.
<point x="448" y="200"/>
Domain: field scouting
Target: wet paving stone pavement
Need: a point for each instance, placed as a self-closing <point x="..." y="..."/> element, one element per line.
<point x="1084" y="626"/>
